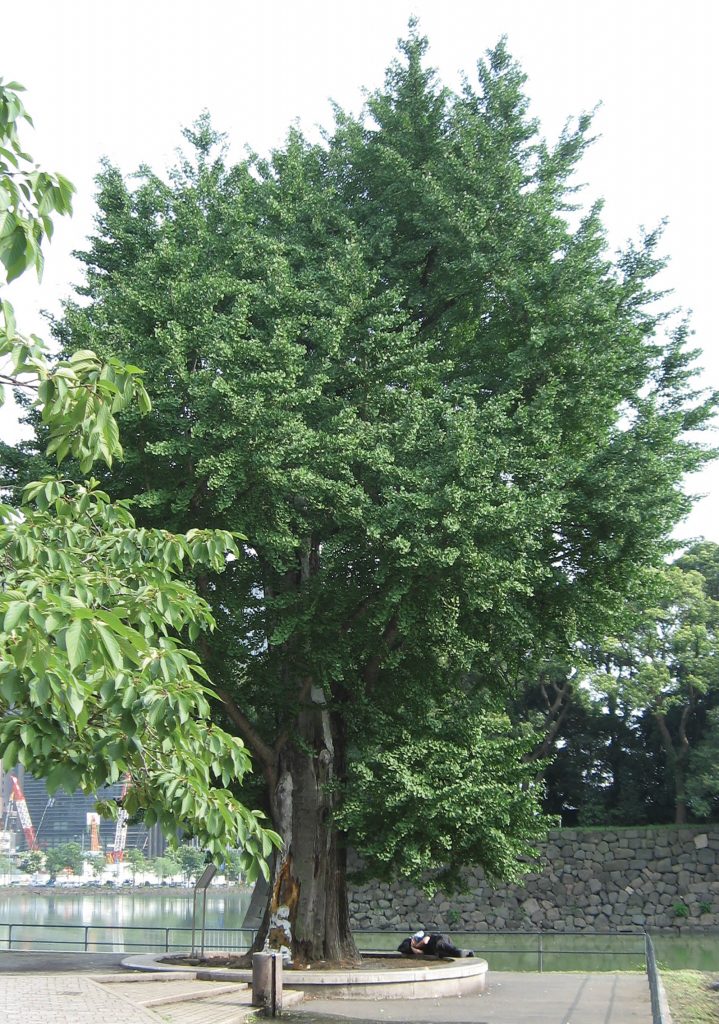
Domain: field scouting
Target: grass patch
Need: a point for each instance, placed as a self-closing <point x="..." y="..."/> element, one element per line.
<point x="691" y="1000"/>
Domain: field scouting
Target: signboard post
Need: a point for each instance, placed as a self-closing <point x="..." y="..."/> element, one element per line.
<point x="201" y="886"/>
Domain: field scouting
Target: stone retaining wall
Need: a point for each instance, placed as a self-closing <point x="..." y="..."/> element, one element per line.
<point x="654" y="878"/>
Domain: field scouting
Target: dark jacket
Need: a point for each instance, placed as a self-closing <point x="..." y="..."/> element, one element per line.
<point x="437" y="946"/>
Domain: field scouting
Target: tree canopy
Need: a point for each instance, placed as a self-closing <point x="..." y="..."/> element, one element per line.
<point x="452" y="428"/>
<point x="631" y="723"/>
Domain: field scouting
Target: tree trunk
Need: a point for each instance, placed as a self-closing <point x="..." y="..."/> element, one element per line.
<point x="680" y="798"/>
<point x="307" y="916"/>
<point x="676" y="761"/>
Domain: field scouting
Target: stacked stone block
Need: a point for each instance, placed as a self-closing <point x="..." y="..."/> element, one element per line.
<point x="586" y="880"/>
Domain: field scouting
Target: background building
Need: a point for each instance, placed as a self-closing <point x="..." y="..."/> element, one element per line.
<point x="63" y="818"/>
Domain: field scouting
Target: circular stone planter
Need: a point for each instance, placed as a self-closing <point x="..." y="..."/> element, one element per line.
<point x="436" y="979"/>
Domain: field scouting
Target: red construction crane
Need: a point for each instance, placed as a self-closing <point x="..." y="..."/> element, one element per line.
<point x="17" y="797"/>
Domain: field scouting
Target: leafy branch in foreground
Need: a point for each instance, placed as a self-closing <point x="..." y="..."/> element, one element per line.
<point x="28" y="195"/>
<point x="96" y="678"/>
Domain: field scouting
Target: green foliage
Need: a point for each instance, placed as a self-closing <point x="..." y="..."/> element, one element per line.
<point x="32" y="862"/>
<point x="29" y="196"/>
<point x="136" y="859"/>
<point x="191" y="860"/>
<point x="452" y="428"/>
<point x="703" y="771"/>
<point x="96" y="862"/>
<point x="681" y="910"/>
<point x="96" y="678"/>
<point x="233" y="866"/>
<point x="64" y="857"/>
<point x="447" y="789"/>
<point x="667" y="670"/>
<point x="703" y="558"/>
<point x="636" y="732"/>
<point x="165" y="866"/>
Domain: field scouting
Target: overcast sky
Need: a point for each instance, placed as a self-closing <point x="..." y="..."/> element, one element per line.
<point x="119" y="80"/>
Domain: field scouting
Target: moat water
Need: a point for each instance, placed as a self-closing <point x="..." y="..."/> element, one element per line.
<point x="137" y="919"/>
<point x="115" y="920"/>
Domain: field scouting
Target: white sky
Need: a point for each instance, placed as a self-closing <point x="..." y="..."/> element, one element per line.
<point x="119" y="79"/>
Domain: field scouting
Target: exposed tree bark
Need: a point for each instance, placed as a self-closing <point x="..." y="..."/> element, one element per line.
<point x="307" y="916"/>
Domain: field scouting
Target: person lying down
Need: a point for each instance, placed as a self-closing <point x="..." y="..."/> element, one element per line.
<point x="430" y="944"/>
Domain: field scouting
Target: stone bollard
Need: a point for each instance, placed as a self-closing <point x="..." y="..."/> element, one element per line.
<point x="267" y="982"/>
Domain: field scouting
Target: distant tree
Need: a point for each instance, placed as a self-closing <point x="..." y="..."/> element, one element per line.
<point x="137" y="861"/>
<point x="703" y="772"/>
<point x="96" y="862"/>
<point x="165" y="867"/>
<point x="191" y="860"/>
<point x="233" y="866"/>
<point x="603" y="770"/>
<point x="32" y="862"/>
<point x="667" y="669"/>
<point x="64" y="857"/>
<point x="703" y="557"/>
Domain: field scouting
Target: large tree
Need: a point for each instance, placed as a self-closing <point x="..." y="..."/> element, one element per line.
<point x="451" y="427"/>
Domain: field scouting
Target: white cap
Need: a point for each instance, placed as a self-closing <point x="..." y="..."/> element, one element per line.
<point x="418" y="935"/>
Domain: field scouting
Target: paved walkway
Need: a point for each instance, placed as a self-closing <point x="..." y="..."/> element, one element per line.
<point x="511" y="999"/>
<point x="37" y="988"/>
<point x="25" y="961"/>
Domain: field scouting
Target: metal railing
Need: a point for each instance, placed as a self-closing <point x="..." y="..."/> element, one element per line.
<point x="538" y="949"/>
<point x="660" y="1011"/>
<point x="88" y="938"/>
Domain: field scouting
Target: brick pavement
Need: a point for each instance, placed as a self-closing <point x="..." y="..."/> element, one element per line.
<point x="65" y="999"/>
<point x="80" y="999"/>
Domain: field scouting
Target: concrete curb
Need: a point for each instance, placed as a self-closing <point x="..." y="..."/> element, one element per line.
<point x="455" y="978"/>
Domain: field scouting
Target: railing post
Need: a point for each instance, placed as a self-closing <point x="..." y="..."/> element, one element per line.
<point x="9" y="936"/>
<point x="540" y="952"/>
<point x="87" y="930"/>
<point x="167" y="940"/>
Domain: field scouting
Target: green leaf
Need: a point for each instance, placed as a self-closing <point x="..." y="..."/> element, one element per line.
<point x="9" y="757"/>
<point x="17" y="614"/>
<point x="9" y="318"/>
<point x="109" y="643"/>
<point x="75" y="700"/>
<point x="42" y="690"/>
<point x="76" y="644"/>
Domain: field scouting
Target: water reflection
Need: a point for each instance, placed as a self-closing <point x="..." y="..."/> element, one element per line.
<point x="225" y="909"/>
<point x="151" y="913"/>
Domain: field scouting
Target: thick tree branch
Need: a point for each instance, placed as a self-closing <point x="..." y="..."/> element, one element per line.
<point x="249" y="734"/>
